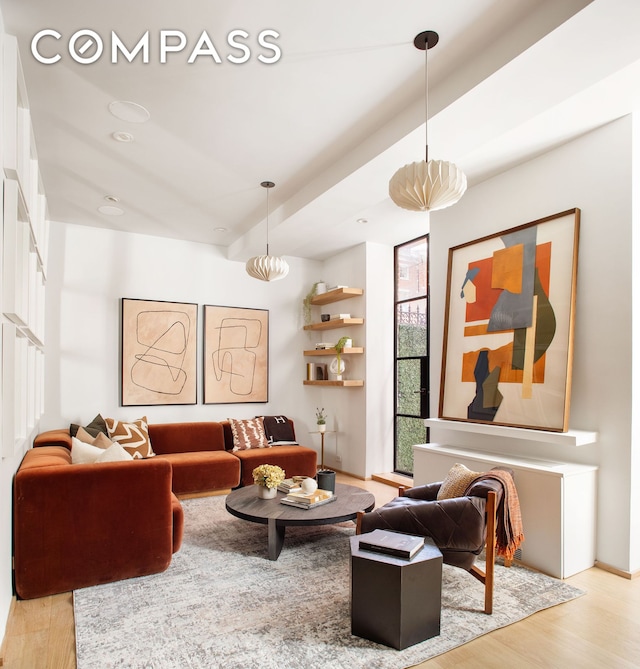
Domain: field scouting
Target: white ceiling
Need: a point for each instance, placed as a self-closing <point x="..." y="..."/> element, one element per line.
<point x="329" y="123"/>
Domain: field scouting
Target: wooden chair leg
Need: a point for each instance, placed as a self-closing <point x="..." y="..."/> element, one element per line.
<point x="490" y="552"/>
<point x="359" y="517"/>
<point x="486" y="577"/>
<point x="401" y="490"/>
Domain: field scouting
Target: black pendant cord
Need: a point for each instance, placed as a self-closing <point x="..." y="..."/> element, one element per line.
<point x="426" y="40"/>
<point x="268" y="221"/>
<point x="426" y="103"/>
<point x="268" y="185"/>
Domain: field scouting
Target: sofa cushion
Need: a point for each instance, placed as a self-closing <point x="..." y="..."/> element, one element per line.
<point x="133" y="436"/>
<point x="295" y="460"/>
<point x="456" y="482"/>
<point x="248" y="434"/>
<point x="97" y="425"/>
<point x="186" y="437"/>
<point x="202" y="471"/>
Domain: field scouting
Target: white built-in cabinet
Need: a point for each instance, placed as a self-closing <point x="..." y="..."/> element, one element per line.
<point x="557" y="498"/>
<point x="24" y="240"/>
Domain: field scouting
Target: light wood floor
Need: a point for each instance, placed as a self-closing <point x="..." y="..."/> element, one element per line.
<point x="600" y="629"/>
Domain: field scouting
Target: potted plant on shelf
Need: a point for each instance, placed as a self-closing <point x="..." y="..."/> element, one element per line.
<point x="306" y="302"/>
<point x="321" y="419"/>
<point x="342" y="343"/>
<point x="268" y="478"/>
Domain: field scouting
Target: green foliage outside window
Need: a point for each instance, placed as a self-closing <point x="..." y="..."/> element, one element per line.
<point x="412" y="341"/>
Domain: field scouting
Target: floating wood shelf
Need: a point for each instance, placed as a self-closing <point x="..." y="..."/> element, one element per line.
<point x="354" y="350"/>
<point x="348" y="383"/>
<point x="336" y="295"/>
<point x="332" y="325"/>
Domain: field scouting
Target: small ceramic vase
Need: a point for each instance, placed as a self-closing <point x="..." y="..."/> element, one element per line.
<point x="266" y="493"/>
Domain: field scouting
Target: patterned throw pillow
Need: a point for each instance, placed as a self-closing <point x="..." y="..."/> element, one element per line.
<point x="133" y="436"/>
<point x="456" y="481"/>
<point x="248" y="434"/>
<point x="278" y="430"/>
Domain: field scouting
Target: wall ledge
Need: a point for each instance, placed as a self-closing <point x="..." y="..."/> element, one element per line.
<point x="571" y="438"/>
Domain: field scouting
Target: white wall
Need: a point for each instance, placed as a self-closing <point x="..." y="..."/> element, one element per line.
<point x="634" y="503"/>
<point x="594" y="174"/>
<point x="92" y="269"/>
<point x="363" y="417"/>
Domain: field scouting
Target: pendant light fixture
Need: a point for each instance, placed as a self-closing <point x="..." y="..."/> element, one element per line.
<point x="429" y="184"/>
<point x="267" y="268"/>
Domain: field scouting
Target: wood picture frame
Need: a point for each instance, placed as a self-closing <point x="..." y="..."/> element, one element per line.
<point x="158" y="352"/>
<point x="509" y="322"/>
<point x="236" y="355"/>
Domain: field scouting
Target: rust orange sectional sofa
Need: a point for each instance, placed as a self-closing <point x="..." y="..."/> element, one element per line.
<point x="77" y="525"/>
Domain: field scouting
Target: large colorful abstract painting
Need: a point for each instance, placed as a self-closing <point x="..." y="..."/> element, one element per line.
<point x="236" y="355"/>
<point x="159" y="358"/>
<point x="508" y="337"/>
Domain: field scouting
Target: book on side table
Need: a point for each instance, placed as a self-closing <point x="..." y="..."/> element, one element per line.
<point x="392" y="543"/>
<point x="308" y="501"/>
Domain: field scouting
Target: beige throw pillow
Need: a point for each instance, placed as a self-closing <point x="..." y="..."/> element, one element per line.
<point x="115" y="453"/>
<point x="456" y="482"/>
<point x="83" y="453"/>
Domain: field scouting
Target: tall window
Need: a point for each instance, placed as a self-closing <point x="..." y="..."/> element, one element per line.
<point x="411" y="349"/>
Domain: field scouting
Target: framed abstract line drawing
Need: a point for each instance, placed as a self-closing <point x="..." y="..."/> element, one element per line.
<point x="159" y="358"/>
<point x="508" y="335"/>
<point x="236" y="355"/>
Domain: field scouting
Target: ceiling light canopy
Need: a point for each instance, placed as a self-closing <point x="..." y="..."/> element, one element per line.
<point x="429" y="184"/>
<point x="267" y="268"/>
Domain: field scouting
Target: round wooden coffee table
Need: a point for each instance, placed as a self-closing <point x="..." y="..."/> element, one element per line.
<point x="244" y="503"/>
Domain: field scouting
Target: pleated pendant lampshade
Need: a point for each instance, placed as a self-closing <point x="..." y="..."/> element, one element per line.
<point x="429" y="184"/>
<point x="266" y="267"/>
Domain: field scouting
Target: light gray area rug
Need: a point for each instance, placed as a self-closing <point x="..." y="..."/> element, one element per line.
<point x="223" y="604"/>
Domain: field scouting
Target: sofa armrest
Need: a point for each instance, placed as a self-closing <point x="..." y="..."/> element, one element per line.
<point x="80" y="525"/>
<point x="53" y="438"/>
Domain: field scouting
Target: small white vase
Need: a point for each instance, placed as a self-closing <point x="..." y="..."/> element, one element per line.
<point x="322" y="428"/>
<point x="267" y="493"/>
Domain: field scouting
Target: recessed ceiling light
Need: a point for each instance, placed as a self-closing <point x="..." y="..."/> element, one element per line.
<point x="111" y="198"/>
<point x="129" y="111"/>
<point x="219" y="229"/>
<point x="362" y="220"/>
<point x="110" y="210"/>
<point x="122" y="136"/>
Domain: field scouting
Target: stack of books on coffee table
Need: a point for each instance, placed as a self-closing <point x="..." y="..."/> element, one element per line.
<point x="308" y="501"/>
<point x="291" y="485"/>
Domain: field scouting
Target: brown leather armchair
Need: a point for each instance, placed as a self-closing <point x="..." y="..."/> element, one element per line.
<point x="460" y="526"/>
